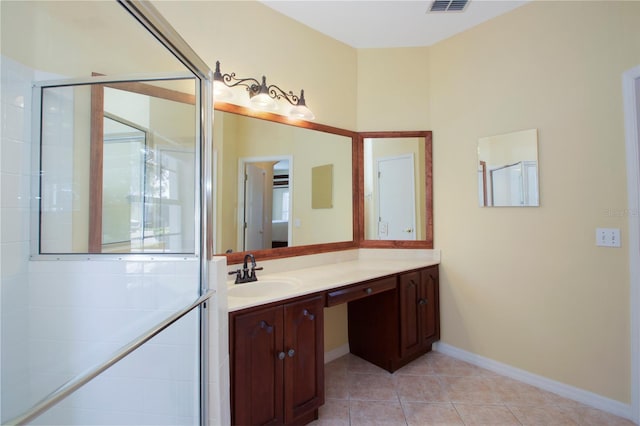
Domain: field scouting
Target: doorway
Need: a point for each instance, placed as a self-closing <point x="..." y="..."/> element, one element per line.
<point x="631" y="97"/>
<point x="264" y="203"/>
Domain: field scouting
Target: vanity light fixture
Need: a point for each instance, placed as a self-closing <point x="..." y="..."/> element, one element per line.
<point x="261" y="95"/>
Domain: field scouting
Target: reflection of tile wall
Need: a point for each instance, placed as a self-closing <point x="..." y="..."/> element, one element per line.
<point x="15" y="156"/>
<point x="57" y="170"/>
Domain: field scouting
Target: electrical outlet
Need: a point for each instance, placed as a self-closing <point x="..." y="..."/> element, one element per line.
<point x="608" y="237"/>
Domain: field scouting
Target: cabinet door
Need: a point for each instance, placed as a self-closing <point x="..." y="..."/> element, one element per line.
<point x="430" y="329"/>
<point x="304" y="362"/>
<point x="410" y="313"/>
<point x="257" y="370"/>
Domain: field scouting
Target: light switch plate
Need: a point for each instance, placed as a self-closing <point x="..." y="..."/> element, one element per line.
<point x="608" y="237"/>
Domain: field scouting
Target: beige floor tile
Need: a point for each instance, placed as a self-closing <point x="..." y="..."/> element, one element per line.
<point x="358" y="365"/>
<point x="489" y="415"/>
<point x="422" y="366"/>
<point x="511" y="391"/>
<point x="376" y="413"/>
<point x="436" y="389"/>
<point x="472" y="390"/>
<point x="336" y="383"/>
<point x="447" y="366"/>
<point x="372" y="387"/>
<point x="431" y="414"/>
<point x="420" y="389"/>
<point x="334" y="410"/>
<point x="543" y="415"/>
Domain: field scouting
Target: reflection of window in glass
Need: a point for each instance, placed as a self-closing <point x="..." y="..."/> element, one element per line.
<point x="280" y="204"/>
<point x="122" y="182"/>
<point x="122" y="178"/>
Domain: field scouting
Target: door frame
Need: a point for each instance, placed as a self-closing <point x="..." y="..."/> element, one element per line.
<point x="630" y="79"/>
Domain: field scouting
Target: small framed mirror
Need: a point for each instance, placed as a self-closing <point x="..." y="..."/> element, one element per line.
<point x="508" y="170"/>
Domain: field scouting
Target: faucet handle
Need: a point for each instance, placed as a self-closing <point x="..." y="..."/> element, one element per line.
<point x="238" y="274"/>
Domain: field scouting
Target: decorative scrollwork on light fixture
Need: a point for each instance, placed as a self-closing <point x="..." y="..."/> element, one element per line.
<point x="261" y="95"/>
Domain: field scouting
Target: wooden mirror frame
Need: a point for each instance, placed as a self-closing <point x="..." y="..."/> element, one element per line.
<point x="357" y="156"/>
<point x="427" y="243"/>
<point x="274" y="253"/>
<point x="97" y="113"/>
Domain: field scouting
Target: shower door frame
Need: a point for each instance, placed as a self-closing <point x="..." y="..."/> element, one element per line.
<point x="146" y="14"/>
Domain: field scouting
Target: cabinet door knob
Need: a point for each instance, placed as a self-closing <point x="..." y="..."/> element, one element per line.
<point x="369" y="290"/>
<point x="291" y="353"/>
<point x="281" y="355"/>
<point x="266" y="326"/>
<point x="422" y="302"/>
<point x="306" y="313"/>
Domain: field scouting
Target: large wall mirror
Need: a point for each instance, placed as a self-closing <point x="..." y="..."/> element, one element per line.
<point x="508" y="170"/>
<point x="395" y="197"/>
<point x="264" y="167"/>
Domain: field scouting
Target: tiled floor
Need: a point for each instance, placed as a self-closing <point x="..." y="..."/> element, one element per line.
<point x="439" y="390"/>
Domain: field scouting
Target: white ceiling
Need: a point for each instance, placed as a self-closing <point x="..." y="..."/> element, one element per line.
<point x="388" y="23"/>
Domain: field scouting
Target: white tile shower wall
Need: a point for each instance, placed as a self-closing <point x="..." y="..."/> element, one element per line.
<point x="83" y="311"/>
<point x="15" y="161"/>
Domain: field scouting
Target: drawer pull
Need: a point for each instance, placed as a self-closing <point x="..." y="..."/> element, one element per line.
<point x="281" y="355"/>
<point x="368" y="290"/>
<point x="291" y="353"/>
<point x="306" y="313"/>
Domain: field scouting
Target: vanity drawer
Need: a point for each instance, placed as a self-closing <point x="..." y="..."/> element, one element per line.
<point x="347" y="294"/>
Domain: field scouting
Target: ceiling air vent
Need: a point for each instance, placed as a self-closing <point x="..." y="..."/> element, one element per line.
<point x="448" y="5"/>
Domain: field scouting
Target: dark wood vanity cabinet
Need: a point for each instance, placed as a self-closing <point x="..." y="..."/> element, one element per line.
<point x="277" y="350"/>
<point x="393" y="328"/>
<point x="277" y="363"/>
<point x="419" y="312"/>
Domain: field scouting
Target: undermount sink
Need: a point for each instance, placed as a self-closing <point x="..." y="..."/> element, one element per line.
<point x="262" y="288"/>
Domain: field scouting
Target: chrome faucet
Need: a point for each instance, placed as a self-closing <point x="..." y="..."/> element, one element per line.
<point x="246" y="275"/>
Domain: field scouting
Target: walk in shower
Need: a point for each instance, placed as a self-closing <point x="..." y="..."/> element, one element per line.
<point x="107" y="313"/>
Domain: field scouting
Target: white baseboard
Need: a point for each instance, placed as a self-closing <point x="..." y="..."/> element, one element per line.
<point x="336" y="353"/>
<point x="585" y="397"/>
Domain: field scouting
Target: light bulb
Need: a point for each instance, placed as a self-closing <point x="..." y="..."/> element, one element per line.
<point x="221" y="91"/>
<point x="263" y="101"/>
<point x="301" y="112"/>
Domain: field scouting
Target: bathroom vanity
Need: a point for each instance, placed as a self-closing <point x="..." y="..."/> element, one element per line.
<point x="277" y="338"/>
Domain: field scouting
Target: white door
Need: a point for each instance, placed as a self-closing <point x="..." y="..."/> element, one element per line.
<point x="254" y="208"/>
<point x="396" y="198"/>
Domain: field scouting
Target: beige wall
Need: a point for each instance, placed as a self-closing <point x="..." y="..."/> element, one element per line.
<point x="528" y="287"/>
<point x="72" y="38"/>
<point x="393" y="89"/>
<point x="252" y="40"/>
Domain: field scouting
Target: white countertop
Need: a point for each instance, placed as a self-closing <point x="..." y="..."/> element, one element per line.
<point x="325" y="277"/>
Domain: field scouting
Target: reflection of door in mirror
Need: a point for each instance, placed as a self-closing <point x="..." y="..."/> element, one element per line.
<point x="394" y="193"/>
<point x="508" y="169"/>
<point x="294" y="225"/>
<point x="264" y="204"/>
<point x="394" y="181"/>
